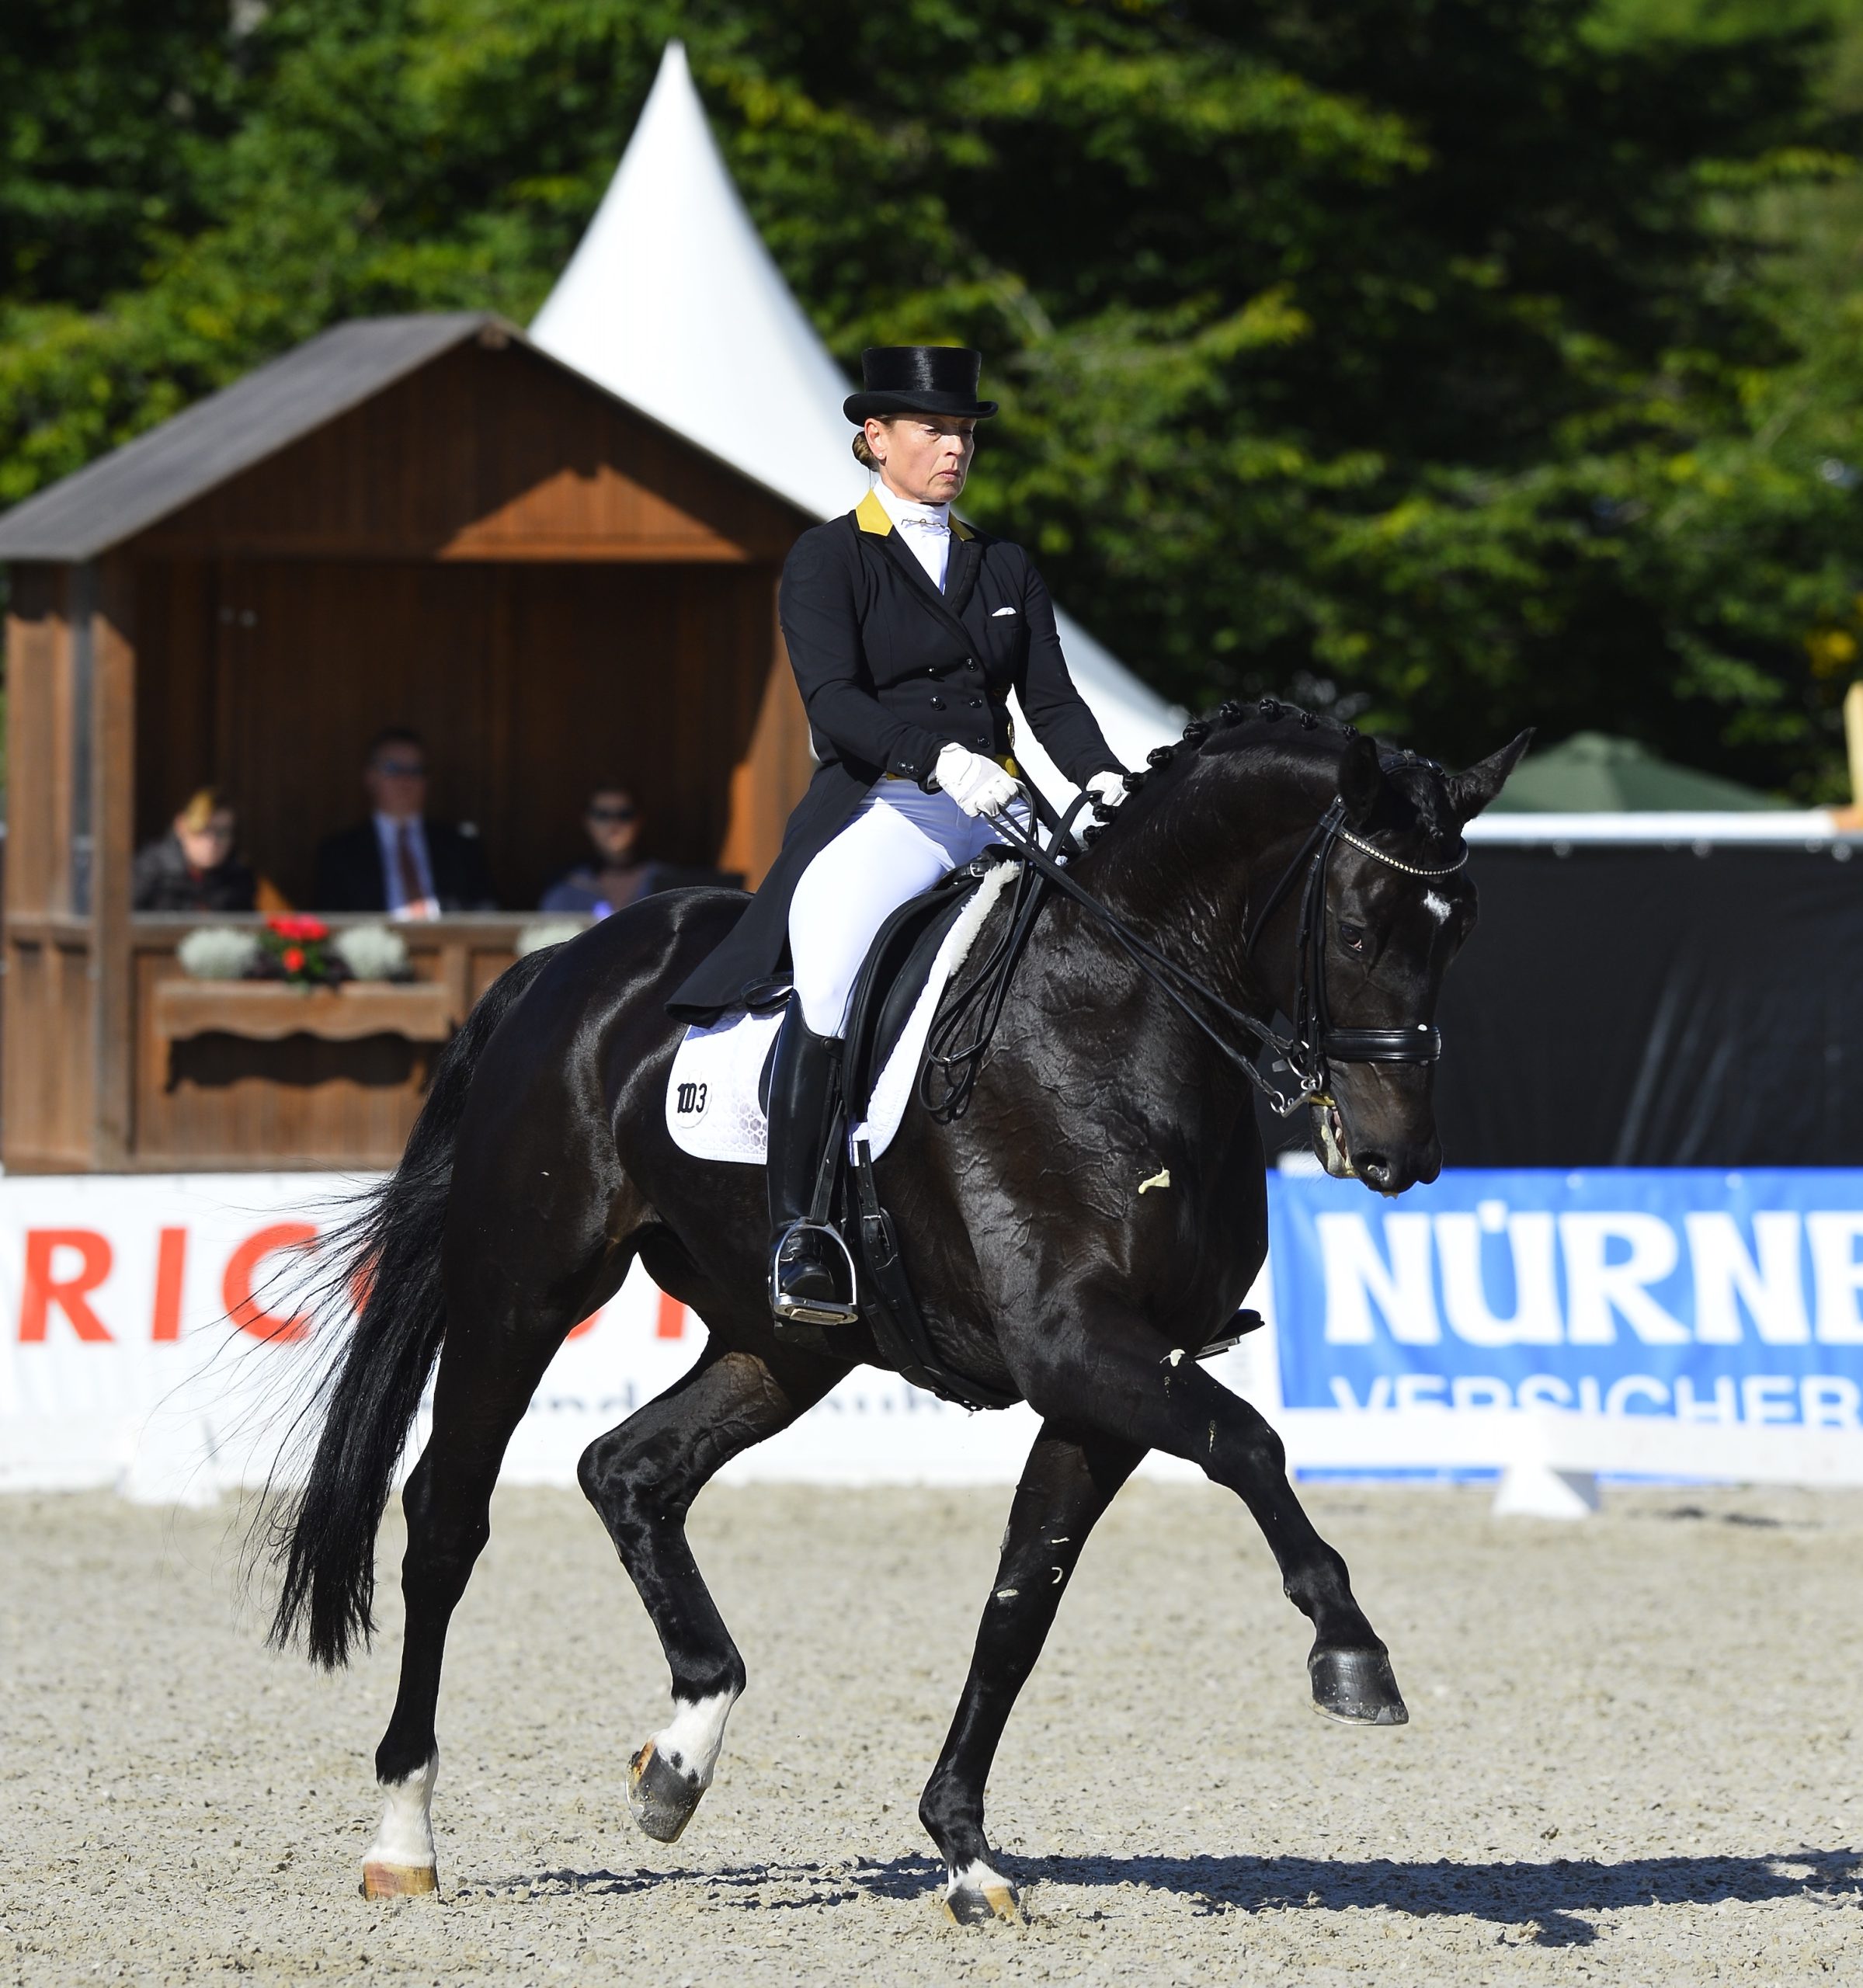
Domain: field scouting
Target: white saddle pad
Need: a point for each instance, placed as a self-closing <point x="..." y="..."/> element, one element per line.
<point x="712" y="1111"/>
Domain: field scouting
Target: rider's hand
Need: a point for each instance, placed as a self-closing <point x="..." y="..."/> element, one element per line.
<point x="1108" y="791"/>
<point x="979" y="786"/>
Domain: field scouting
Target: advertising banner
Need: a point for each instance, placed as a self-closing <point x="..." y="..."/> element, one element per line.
<point x="154" y="1338"/>
<point x="1627" y="1319"/>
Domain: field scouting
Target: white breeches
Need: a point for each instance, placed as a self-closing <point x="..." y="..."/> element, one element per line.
<point x="899" y="842"/>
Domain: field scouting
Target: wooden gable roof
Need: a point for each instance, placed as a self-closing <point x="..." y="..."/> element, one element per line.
<point x="445" y="437"/>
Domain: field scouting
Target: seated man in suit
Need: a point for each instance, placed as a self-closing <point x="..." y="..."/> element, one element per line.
<point x="398" y="861"/>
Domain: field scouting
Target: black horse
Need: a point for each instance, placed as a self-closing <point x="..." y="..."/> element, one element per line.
<point x="541" y="1168"/>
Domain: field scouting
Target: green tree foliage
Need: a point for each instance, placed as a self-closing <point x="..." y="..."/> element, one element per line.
<point x="1459" y="363"/>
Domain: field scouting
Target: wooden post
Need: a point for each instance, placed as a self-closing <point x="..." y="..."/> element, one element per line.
<point x="1853" y="742"/>
<point x="48" y="1072"/>
<point x="772" y="776"/>
<point x="111" y="822"/>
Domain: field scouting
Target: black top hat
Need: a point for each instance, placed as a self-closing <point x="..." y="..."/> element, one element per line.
<point x="918" y="378"/>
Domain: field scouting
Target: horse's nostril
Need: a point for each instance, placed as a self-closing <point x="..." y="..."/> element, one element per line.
<point x="1375" y="1169"/>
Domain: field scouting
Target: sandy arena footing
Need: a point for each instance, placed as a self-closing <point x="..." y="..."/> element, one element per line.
<point x="1632" y="1757"/>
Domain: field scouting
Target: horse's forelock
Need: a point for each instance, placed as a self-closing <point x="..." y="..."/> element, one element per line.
<point x="1422" y="784"/>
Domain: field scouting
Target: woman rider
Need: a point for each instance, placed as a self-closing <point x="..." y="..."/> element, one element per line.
<point x="907" y="631"/>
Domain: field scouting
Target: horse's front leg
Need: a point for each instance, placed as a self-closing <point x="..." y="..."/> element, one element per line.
<point x="1096" y="1371"/>
<point x="1066" y="1485"/>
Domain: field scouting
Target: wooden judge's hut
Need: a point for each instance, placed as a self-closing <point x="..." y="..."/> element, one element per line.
<point x="421" y="521"/>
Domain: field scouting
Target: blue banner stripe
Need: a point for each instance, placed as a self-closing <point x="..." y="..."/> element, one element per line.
<point x="1703" y="1296"/>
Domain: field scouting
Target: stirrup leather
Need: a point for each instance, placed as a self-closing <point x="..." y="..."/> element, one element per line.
<point x="814" y="1311"/>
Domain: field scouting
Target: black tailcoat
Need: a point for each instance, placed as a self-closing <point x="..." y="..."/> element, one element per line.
<point x="891" y="671"/>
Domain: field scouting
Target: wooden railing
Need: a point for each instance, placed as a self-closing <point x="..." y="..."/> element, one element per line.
<point x="255" y="1074"/>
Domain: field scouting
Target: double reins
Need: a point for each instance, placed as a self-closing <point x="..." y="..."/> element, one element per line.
<point x="962" y="1031"/>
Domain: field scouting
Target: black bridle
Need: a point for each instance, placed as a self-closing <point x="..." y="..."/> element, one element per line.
<point x="955" y="1053"/>
<point x="1316" y="1042"/>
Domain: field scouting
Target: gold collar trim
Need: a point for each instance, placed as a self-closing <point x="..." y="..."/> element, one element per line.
<point x="870" y="515"/>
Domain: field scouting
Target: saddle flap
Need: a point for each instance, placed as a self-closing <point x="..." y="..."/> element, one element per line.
<point x="892" y="978"/>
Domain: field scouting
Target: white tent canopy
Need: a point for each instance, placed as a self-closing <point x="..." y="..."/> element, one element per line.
<point x="672" y="301"/>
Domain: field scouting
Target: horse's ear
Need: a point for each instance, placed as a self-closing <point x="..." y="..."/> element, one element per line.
<point x="1471" y="790"/>
<point x="1361" y="779"/>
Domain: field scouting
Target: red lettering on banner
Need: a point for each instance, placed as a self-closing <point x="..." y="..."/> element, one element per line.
<point x="236" y="1287"/>
<point x="170" y="1267"/>
<point x="671" y="1322"/>
<point x="70" y="1294"/>
<point x="589" y="1323"/>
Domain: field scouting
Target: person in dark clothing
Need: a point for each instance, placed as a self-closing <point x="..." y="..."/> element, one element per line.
<point x="907" y="630"/>
<point x="398" y="861"/>
<point x="192" y="868"/>
<point x="618" y="876"/>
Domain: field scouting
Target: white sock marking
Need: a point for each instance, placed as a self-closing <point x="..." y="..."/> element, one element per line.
<point x="406" y="1835"/>
<point x="690" y="1744"/>
<point x="975" y="1877"/>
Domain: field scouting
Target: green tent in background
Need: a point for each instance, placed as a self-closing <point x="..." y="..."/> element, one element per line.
<point x="1592" y="773"/>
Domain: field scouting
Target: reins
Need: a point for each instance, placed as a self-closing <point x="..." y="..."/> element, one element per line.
<point x="962" y="1032"/>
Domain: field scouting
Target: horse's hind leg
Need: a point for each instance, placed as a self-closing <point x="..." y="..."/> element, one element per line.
<point x="487" y="1377"/>
<point x="642" y="1479"/>
<point x="1066" y="1485"/>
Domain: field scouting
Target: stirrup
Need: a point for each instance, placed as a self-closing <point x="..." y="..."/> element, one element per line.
<point x="814" y="1311"/>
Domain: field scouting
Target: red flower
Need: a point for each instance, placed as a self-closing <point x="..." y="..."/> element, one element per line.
<point x="293" y="959"/>
<point x="297" y="926"/>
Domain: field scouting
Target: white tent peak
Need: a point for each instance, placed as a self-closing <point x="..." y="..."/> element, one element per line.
<point x="672" y="301"/>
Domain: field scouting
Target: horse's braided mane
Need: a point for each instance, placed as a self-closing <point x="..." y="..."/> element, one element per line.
<point x="1215" y="729"/>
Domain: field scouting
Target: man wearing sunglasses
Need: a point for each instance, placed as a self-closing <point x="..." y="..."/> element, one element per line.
<point x="616" y="876"/>
<point x="399" y="861"/>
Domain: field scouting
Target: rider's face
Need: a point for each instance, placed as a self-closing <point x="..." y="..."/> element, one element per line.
<point x="923" y="457"/>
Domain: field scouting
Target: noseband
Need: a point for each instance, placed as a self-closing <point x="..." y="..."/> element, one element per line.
<point x="1316" y="1045"/>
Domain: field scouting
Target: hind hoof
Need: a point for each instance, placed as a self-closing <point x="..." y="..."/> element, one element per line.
<point x="978" y="1895"/>
<point x="399" y="1880"/>
<point x="1356" y="1687"/>
<point x="662" y="1798"/>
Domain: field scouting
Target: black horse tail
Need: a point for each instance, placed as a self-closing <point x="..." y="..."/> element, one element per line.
<point x="386" y="1256"/>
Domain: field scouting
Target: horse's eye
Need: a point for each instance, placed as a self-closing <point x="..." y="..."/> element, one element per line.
<point x="1353" y="936"/>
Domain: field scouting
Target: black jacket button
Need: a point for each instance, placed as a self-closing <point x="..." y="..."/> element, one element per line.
<point x="937" y="703"/>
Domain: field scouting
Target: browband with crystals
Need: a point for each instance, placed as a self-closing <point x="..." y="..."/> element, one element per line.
<point x="1409" y="869"/>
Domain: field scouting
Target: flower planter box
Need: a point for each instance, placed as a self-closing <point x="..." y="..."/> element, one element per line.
<point x="267" y="1011"/>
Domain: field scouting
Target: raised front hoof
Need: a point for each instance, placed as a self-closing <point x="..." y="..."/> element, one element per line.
<point x="399" y="1880"/>
<point x="980" y="1896"/>
<point x="1356" y="1687"/>
<point x="662" y="1798"/>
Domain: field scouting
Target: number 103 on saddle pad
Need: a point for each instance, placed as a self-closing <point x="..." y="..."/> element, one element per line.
<point x="714" y="1109"/>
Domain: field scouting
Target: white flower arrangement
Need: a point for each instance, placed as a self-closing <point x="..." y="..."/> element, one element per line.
<point x="372" y="952"/>
<point x="218" y="952"/>
<point x="549" y="932"/>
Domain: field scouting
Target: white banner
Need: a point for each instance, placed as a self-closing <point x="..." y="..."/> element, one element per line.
<point x="148" y="1341"/>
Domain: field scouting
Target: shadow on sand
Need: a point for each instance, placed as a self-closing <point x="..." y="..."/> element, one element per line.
<point x="1550" y="1903"/>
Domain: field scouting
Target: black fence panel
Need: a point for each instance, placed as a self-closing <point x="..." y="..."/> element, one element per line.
<point x="1627" y="1005"/>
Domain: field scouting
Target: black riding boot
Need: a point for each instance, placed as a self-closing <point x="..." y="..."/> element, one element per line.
<point x="809" y="1277"/>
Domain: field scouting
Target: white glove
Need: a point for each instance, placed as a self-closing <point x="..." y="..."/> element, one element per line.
<point x="979" y="786"/>
<point x="1108" y="790"/>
